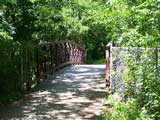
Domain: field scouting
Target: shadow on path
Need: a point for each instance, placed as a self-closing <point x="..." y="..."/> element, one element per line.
<point x="74" y="93"/>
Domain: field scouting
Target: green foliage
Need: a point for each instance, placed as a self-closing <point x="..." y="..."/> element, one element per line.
<point x="145" y="72"/>
<point x="141" y="78"/>
<point x="136" y="23"/>
<point x="25" y="23"/>
<point x="15" y="33"/>
<point x="128" y="110"/>
<point x="97" y="61"/>
<point x="8" y="70"/>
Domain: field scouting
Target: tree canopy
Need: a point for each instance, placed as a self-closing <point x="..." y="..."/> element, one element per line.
<point x="93" y="23"/>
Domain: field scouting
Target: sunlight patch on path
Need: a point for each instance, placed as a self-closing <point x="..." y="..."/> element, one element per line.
<point x="74" y="93"/>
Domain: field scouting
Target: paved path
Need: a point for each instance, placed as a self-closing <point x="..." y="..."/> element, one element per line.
<point x="74" y="93"/>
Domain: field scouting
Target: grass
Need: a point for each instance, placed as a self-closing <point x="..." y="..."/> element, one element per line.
<point x="98" y="61"/>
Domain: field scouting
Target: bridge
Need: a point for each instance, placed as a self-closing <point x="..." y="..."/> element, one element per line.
<point x="65" y="88"/>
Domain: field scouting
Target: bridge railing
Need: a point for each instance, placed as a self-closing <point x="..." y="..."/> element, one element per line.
<point x="53" y="56"/>
<point x="49" y="57"/>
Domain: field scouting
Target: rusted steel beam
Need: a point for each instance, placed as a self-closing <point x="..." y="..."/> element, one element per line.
<point x="51" y="55"/>
<point x="108" y="57"/>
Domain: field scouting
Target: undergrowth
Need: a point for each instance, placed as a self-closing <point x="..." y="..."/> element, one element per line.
<point x="124" y="110"/>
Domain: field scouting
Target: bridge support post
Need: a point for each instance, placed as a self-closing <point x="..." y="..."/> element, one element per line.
<point x="108" y="57"/>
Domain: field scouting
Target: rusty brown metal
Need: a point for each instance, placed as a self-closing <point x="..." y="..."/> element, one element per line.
<point x="52" y="56"/>
<point x="61" y="54"/>
<point x="108" y="57"/>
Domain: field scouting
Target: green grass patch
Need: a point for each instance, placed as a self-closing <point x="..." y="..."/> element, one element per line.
<point x="97" y="61"/>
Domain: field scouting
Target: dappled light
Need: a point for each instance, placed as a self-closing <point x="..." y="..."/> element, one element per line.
<point x="39" y="38"/>
<point x="71" y="94"/>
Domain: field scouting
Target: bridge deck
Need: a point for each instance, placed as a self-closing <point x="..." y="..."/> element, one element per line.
<point x="74" y="93"/>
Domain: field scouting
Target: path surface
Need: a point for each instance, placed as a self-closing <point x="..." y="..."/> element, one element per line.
<point x="73" y="93"/>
